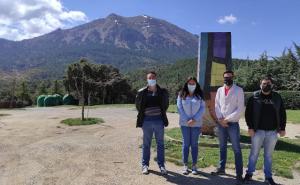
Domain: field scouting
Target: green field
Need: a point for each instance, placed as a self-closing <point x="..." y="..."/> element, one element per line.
<point x="285" y="157"/>
<point x="293" y="116"/>
<point x="78" y="121"/>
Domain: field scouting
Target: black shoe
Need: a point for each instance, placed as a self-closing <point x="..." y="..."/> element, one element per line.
<point x="239" y="180"/>
<point x="248" y="178"/>
<point x="218" y="172"/>
<point x="270" y="181"/>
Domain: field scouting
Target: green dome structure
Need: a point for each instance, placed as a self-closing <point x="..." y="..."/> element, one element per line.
<point x="69" y="100"/>
<point x="59" y="99"/>
<point x="40" y="100"/>
<point x="50" y="101"/>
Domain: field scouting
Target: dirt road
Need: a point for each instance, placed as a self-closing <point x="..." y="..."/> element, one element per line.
<point x="36" y="149"/>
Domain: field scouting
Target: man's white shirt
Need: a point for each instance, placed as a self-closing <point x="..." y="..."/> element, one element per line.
<point x="229" y="107"/>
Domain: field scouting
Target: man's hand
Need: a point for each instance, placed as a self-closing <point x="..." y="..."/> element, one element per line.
<point x="223" y="122"/>
<point x="282" y="133"/>
<point x="251" y="132"/>
<point x="191" y="122"/>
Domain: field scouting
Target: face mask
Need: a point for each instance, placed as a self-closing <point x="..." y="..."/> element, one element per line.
<point x="266" y="88"/>
<point x="151" y="82"/>
<point x="228" y="81"/>
<point x="191" y="88"/>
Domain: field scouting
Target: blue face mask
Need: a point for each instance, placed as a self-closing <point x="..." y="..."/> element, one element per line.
<point x="151" y="82"/>
<point x="191" y="88"/>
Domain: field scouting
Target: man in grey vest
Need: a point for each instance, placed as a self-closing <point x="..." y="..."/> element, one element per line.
<point x="266" y="117"/>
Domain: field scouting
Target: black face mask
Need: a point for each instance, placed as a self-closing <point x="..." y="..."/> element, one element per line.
<point x="266" y="88"/>
<point x="228" y="81"/>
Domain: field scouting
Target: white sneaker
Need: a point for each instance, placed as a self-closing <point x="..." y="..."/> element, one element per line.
<point x="145" y="170"/>
<point x="185" y="170"/>
<point x="163" y="170"/>
<point x="194" y="170"/>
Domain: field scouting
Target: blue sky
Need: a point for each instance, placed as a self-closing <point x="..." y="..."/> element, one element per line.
<point x="261" y="25"/>
<point x="256" y="25"/>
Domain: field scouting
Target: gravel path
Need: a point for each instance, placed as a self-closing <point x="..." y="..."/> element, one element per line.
<point x="36" y="149"/>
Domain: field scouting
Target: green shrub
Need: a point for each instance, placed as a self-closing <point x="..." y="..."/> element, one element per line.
<point x="291" y="99"/>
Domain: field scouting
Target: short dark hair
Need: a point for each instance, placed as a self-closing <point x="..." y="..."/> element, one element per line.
<point x="151" y="72"/>
<point x="228" y="71"/>
<point x="268" y="78"/>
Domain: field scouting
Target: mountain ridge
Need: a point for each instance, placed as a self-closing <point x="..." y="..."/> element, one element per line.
<point x="125" y="42"/>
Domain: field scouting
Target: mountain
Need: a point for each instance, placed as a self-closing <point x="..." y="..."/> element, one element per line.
<point x="124" y="42"/>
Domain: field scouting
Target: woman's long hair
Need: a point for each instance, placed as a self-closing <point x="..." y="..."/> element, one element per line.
<point x="185" y="90"/>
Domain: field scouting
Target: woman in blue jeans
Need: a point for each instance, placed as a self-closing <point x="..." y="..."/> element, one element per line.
<point x="191" y="108"/>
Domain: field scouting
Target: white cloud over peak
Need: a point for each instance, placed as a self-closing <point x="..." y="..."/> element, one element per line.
<point x="23" y="19"/>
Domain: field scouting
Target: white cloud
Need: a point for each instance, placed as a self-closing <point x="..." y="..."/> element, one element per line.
<point x="253" y="23"/>
<point x="231" y="19"/>
<point x="73" y="16"/>
<point x="22" y="19"/>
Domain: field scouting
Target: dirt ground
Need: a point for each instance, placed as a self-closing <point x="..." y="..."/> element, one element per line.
<point x="35" y="148"/>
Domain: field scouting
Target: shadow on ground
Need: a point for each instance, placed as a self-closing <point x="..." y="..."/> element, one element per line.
<point x="201" y="178"/>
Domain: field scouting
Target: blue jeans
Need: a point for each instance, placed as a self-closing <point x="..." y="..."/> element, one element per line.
<point x="268" y="140"/>
<point x="190" y="137"/>
<point x="233" y="132"/>
<point x="156" y="127"/>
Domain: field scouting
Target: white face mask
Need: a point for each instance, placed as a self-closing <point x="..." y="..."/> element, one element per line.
<point x="151" y="82"/>
<point x="191" y="88"/>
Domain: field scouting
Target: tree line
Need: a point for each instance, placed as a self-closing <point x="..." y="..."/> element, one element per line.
<point x="89" y="83"/>
<point x="104" y="84"/>
<point x="285" y="70"/>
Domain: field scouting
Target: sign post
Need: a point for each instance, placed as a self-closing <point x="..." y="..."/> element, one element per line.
<point x="214" y="57"/>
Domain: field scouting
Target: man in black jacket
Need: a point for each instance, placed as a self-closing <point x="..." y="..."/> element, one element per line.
<point x="266" y="117"/>
<point x="152" y="103"/>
